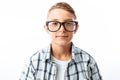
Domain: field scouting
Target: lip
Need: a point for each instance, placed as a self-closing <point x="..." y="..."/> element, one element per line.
<point x="61" y="36"/>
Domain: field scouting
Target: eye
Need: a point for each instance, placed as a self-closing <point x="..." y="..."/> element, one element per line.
<point x="54" y="23"/>
<point x="69" y="23"/>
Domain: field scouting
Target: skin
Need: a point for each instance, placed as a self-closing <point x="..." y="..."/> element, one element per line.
<point x="61" y="40"/>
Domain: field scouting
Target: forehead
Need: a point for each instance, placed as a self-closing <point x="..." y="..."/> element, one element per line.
<point x="60" y="14"/>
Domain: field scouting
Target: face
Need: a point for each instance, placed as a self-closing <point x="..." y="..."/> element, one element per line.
<point x="60" y="37"/>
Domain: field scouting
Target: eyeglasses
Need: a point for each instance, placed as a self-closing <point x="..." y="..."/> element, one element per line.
<point x="54" y="26"/>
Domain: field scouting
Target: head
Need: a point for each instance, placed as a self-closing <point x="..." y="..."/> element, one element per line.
<point x="64" y="6"/>
<point x="61" y="24"/>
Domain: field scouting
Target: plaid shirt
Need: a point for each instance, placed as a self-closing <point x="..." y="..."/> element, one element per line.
<point x="81" y="67"/>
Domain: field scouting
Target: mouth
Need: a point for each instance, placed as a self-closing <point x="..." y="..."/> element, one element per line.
<point x="62" y="36"/>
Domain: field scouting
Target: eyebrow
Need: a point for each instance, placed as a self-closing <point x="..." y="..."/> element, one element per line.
<point x="64" y="20"/>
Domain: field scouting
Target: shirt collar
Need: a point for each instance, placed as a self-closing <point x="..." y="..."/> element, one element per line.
<point x="74" y="52"/>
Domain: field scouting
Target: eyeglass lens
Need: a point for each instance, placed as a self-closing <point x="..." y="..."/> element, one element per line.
<point x="55" y="26"/>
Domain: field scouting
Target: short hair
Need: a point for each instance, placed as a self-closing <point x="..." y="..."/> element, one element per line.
<point x="65" y="6"/>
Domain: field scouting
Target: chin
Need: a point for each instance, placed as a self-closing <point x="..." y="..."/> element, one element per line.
<point x="63" y="43"/>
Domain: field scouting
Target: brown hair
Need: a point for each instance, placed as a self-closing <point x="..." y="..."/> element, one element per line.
<point x="63" y="5"/>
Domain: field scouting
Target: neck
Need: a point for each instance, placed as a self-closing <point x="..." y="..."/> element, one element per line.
<point x="61" y="52"/>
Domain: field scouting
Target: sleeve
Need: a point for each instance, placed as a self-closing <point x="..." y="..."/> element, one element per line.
<point x="28" y="72"/>
<point x="94" y="73"/>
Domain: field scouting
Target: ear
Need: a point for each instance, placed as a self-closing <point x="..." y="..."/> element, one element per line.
<point x="76" y="29"/>
<point x="46" y="29"/>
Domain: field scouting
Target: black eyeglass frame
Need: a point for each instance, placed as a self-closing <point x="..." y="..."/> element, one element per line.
<point x="61" y="23"/>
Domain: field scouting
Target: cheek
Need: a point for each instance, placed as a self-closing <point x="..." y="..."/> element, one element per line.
<point x="52" y="35"/>
<point x="71" y="35"/>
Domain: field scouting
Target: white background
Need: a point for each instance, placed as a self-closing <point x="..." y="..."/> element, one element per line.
<point x="22" y="33"/>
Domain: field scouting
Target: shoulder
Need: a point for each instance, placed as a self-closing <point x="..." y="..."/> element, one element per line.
<point x="41" y="54"/>
<point x="39" y="57"/>
<point x="82" y="55"/>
